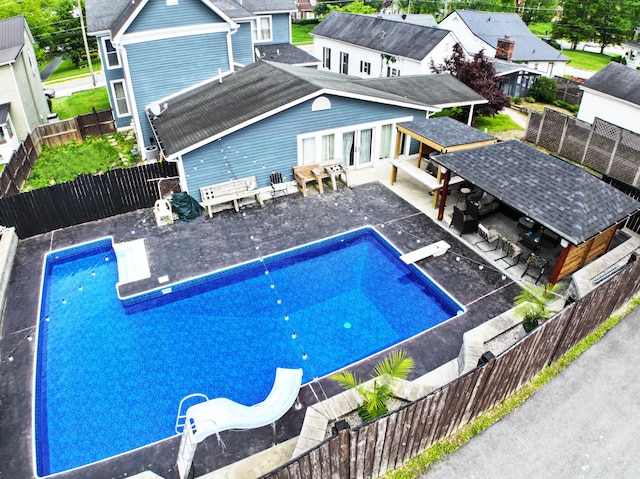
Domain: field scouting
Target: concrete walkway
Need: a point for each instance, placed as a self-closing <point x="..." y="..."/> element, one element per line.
<point x="583" y="424"/>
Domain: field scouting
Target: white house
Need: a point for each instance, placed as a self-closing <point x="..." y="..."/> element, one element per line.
<point x="612" y="94"/>
<point x="376" y="46"/>
<point x="504" y="36"/>
<point x="631" y="51"/>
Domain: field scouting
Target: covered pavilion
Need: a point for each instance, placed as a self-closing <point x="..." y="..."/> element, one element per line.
<point x="561" y="197"/>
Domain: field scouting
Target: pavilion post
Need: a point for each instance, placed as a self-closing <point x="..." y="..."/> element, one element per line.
<point x="443" y="200"/>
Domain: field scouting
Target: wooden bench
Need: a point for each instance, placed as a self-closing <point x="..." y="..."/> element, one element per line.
<point x="233" y="190"/>
<point x="305" y="174"/>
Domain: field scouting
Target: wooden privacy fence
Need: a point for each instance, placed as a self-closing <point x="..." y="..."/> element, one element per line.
<point x="59" y="133"/>
<point x="371" y="450"/>
<point x="88" y="198"/>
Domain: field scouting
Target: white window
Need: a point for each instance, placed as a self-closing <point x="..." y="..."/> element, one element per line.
<point x="119" y="96"/>
<point x="111" y="54"/>
<point x="386" y="140"/>
<point x="328" y="147"/>
<point x="344" y="63"/>
<point x="326" y="58"/>
<point x="32" y="64"/>
<point x="262" y="29"/>
<point x="365" y="67"/>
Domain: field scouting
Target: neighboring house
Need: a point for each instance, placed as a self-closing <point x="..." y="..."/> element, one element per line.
<point x="631" y="51"/>
<point x="152" y="49"/>
<point x="374" y="46"/>
<point x="304" y="9"/>
<point x="504" y="36"/>
<point x="613" y="95"/>
<point x="23" y="105"/>
<point x="269" y="117"/>
<point x="424" y="20"/>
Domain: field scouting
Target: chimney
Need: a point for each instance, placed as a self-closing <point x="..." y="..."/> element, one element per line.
<point x="504" y="50"/>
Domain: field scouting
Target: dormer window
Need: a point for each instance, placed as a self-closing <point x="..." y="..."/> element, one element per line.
<point x="262" y="29"/>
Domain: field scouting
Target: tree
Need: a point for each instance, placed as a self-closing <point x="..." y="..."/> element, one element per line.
<point x="544" y="89"/>
<point x="354" y="7"/>
<point x="604" y="21"/>
<point x="40" y="16"/>
<point x="534" y="304"/>
<point x="478" y="74"/>
<point x="68" y="38"/>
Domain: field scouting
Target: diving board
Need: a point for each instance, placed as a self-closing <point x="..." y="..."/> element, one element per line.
<point x="221" y="414"/>
<point x="435" y="249"/>
<point x="419" y="174"/>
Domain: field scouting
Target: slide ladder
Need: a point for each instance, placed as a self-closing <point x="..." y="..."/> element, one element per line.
<point x="221" y="414"/>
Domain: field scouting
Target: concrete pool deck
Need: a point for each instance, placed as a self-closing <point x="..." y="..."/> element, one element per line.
<point x="185" y="250"/>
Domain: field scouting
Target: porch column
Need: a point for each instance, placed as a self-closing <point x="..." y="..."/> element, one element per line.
<point x="443" y="200"/>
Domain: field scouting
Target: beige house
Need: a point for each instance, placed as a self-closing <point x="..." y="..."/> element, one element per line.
<point x="23" y="105"/>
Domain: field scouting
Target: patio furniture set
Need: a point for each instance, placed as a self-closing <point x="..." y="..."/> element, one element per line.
<point x="317" y="173"/>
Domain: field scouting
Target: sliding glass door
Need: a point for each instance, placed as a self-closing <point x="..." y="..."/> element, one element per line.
<point x="357" y="147"/>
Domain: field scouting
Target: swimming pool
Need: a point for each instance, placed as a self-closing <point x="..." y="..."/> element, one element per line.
<point x="110" y="373"/>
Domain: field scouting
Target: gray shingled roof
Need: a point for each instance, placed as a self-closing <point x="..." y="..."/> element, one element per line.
<point x="112" y="15"/>
<point x="560" y="196"/>
<point x="504" y="67"/>
<point x="438" y="90"/>
<point x="490" y="26"/>
<point x="376" y="33"/>
<point x="286" y="53"/>
<point x="446" y="131"/>
<point x="616" y="80"/>
<point x="11" y="38"/>
<point x="257" y="90"/>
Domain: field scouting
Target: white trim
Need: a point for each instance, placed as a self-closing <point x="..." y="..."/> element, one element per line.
<point x="607" y="96"/>
<point x="255" y="32"/>
<point x="166" y="33"/>
<point x="115" y="100"/>
<point x="103" y="41"/>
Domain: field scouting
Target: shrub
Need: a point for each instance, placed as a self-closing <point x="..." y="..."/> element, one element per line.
<point x="530" y="99"/>
<point x="544" y="89"/>
<point x="566" y="106"/>
<point x="517" y="100"/>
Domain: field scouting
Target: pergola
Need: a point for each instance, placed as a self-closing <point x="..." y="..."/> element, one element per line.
<point x="564" y="198"/>
<point x="441" y="135"/>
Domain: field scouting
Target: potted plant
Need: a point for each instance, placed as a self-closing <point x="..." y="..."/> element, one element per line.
<point x="385" y="381"/>
<point x="533" y="304"/>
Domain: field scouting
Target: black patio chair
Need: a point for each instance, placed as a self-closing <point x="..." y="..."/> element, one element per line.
<point x="537" y="263"/>
<point x="277" y="184"/>
<point x="463" y="222"/>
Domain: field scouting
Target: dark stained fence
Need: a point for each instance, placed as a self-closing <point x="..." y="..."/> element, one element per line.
<point x="568" y="90"/>
<point x="15" y="172"/>
<point x="96" y="123"/>
<point x="371" y="450"/>
<point x="88" y="198"/>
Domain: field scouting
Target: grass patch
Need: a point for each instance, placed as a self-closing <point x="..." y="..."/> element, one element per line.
<point x="80" y="103"/>
<point x="93" y="156"/>
<point x="541" y="29"/>
<point x="498" y="122"/>
<point x="300" y="33"/>
<point x="587" y="60"/>
<point x="421" y="463"/>
<point x="67" y="69"/>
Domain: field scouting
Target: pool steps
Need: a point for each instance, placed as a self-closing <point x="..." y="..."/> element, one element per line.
<point x="132" y="261"/>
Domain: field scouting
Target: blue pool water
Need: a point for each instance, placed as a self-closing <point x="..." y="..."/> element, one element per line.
<point x="110" y="375"/>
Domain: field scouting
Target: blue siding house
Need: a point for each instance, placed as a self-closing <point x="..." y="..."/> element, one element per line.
<point x="152" y="49"/>
<point x="269" y="117"/>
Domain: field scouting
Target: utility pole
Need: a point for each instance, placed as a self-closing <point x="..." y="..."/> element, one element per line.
<point x="86" y="44"/>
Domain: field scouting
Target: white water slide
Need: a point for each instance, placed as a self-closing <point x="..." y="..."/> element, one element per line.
<point x="221" y="414"/>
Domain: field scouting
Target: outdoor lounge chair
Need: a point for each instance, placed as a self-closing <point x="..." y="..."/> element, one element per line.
<point x="537" y="263"/>
<point x="162" y="212"/>
<point x="488" y="236"/>
<point x="463" y="222"/>
<point x="511" y="252"/>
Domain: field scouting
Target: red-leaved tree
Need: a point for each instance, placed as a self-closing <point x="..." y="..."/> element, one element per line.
<point x="478" y="74"/>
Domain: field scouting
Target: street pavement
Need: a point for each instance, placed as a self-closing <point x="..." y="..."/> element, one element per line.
<point x="582" y="424"/>
<point x="66" y="88"/>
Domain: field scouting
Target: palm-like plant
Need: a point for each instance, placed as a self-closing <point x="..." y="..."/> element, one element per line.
<point x="386" y="379"/>
<point x="533" y="304"/>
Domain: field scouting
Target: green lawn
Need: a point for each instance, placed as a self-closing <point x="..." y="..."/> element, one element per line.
<point x="67" y="70"/>
<point x="499" y="122"/>
<point x="587" y="60"/>
<point x="300" y="33"/>
<point x="541" y="29"/>
<point x="80" y="102"/>
<point x="93" y="156"/>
